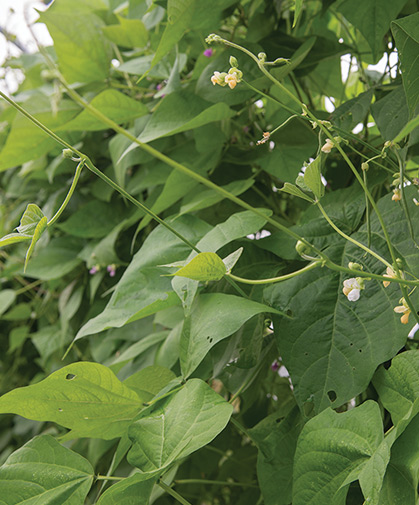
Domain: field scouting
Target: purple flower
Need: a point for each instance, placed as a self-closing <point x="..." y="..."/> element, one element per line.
<point x="111" y="269"/>
<point x="159" y="86"/>
<point x="275" y="366"/>
<point x="208" y="52"/>
<point x="94" y="270"/>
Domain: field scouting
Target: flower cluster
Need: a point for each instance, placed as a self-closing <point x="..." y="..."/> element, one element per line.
<point x="352" y="288"/>
<point x="232" y="77"/>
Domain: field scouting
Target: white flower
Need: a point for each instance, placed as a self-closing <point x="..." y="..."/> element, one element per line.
<point x="352" y="288"/>
<point x="328" y="146"/>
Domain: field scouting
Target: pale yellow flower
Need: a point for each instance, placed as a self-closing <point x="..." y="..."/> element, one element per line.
<point x="403" y="309"/>
<point x="397" y="195"/>
<point x="352" y="288"/>
<point x="391" y="274"/>
<point x="219" y="78"/>
<point x="328" y="146"/>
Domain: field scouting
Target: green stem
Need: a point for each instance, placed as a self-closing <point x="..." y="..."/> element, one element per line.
<point x="350" y="239"/>
<point x="69" y="194"/>
<point x="240" y="427"/>
<point x="155" y="400"/>
<point x="173" y="493"/>
<point x="367" y="211"/>
<point x="277" y="279"/>
<point x="215" y="483"/>
<point x="109" y="477"/>
<point x="403" y="201"/>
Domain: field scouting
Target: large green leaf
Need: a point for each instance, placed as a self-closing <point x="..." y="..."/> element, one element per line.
<point x="168" y="431"/>
<point x="114" y="105"/>
<point x="406" y="33"/>
<point x="85" y="397"/>
<point x="182" y="111"/>
<point x="398" y="387"/>
<point x="128" y="33"/>
<point x="42" y="471"/>
<point x="372" y="18"/>
<point x="206" y="266"/>
<point x="82" y="49"/>
<point x="134" y="490"/>
<point x="213" y="317"/>
<point x="332" y="348"/>
<point x="26" y="141"/>
<point x="331" y="450"/>
<point x="391" y="113"/>
<point x="142" y="289"/>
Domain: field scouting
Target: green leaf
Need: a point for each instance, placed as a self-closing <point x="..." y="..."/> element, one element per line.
<point x="26" y="141"/>
<point x="30" y="220"/>
<point x="294" y="190"/>
<point x="142" y="290"/>
<point x="334" y="448"/>
<point x="206" y="266"/>
<point x="298" y="7"/>
<point x="313" y="177"/>
<point x="276" y="440"/>
<point x="84" y="397"/>
<point x="58" y="258"/>
<point x="39" y="230"/>
<point x="114" y="105"/>
<point x="213" y="318"/>
<point x="7" y="297"/>
<point x="406" y="34"/>
<point x="83" y="51"/>
<point x="13" y="238"/>
<point x="410" y="126"/>
<point x="353" y="111"/>
<point x="129" y="33"/>
<point x="168" y="431"/>
<point x="149" y="381"/>
<point x="332" y="348"/>
<point x="398" y="387"/>
<point x="42" y="471"/>
<point x="134" y="490"/>
<point x="372" y="18"/>
<point x="179" y="16"/>
<point x="96" y="219"/>
<point x="182" y="111"/>
<point x="391" y="113"/>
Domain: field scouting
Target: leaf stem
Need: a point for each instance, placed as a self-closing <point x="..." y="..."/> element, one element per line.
<point x="69" y="194"/>
<point x="215" y="483"/>
<point x="350" y="239"/>
<point x="109" y="477"/>
<point x="173" y="493"/>
<point x="272" y="280"/>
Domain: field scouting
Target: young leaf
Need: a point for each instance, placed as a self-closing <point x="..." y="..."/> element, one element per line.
<point x="313" y="178"/>
<point x="30" y="219"/>
<point x="43" y="471"/>
<point x="39" y="230"/>
<point x="177" y="426"/>
<point x="134" y="490"/>
<point x="13" y="238"/>
<point x="206" y="266"/>
<point x="85" y="397"/>
<point x="232" y="259"/>
<point x="294" y="190"/>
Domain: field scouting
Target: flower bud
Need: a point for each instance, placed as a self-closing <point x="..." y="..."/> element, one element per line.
<point x="233" y="62"/>
<point x="68" y="153"/>
<point x="355" y="266"/>
<point x="262" y="57"/>
<point x="365" y="166"/>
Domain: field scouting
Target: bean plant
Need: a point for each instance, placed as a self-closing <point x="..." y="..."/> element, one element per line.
<point x="209" y="257"/>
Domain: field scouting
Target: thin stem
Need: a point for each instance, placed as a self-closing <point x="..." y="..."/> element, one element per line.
<point x="403" y="201"/>
<point x="276" y="279"/>
<point x="240" y="427"/>
<point x="367" y="211"/>
<point x="215" y="483"/>
<point x="173" y="493"/>
<point x="109" y="477"/>
<point x="69" y="194"/>
<point x="350" y="239"/>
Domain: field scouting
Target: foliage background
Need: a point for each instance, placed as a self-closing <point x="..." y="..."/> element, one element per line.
<point x="211" y="392"/>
